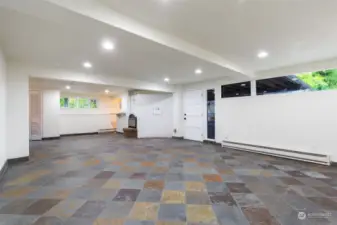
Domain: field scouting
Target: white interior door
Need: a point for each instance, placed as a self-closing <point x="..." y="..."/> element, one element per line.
<point x="35" y="115"/>
<point x="193" y="115"/>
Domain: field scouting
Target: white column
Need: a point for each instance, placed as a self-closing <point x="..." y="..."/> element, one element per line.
<point x="253" y="87"/>
<point x="50" y="113"/>
<point x="17" y="110"/>
<point x="3" y="154"/>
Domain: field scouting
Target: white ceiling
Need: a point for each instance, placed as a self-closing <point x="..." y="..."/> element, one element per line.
<point x="292" y="31"/>
<point x="41" y="32"/>
<point x="48" y="35"/>
<point x="76" y="87"/>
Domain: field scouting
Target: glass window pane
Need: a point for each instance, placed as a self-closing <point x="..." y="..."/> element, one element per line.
<point x="235" y="90"/>
<point x="315" y="81"/>
<point x="83" y="103"/>
<point x="320" y="80"/>
<point x="93" y="103"/>
<point x="280" y="85"/>
<point x="64" y="102"/>
<point x="72" y="103"/>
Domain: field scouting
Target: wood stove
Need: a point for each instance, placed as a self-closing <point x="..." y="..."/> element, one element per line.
<point x="131" y="131"/>
<point x="132" y="121"/>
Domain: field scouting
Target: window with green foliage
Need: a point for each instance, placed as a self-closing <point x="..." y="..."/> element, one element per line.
<point x="78" y="103"/>
<point x="83" y="103"/>
<point x="314" y="81"/>
<point x="93" y="103"/>
<point x="64" y="102"/>
<point x="320" y="80"/>
<point x="73" y="103"/>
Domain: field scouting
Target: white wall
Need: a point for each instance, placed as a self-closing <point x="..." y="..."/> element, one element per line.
<point x="50" y="113"/>
<point x="3" y="156"/>
<point x="299" y="121"/>
<point x="17" y="113"/>
<point x="76" y="121"/>
<point x="149" y="124"/>
<point x="303" y="121"/>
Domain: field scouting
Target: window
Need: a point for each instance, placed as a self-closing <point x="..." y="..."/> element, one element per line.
<point x="316" y="81"/>
<point x="235" y="90"/>
<point x="73" y="103"/>
<point x="83" y="103"/>
<point x="78" y="103"/>
<point x="93" y="103"/>
<point x="64" y="102"/>
<point x="319" y="80"/>
<point x="279" y="85"/>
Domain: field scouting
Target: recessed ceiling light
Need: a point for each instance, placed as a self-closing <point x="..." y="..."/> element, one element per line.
<point x="242" y="85"/>
<point x="262" y="54"/>
<point x="87" y="65"/>
<point x="68" y="87"/>
<point x="107" y="91"/>
<point x="108" y="45"/>
<point x="198" y="71"/>
<point x="166" y="79"/>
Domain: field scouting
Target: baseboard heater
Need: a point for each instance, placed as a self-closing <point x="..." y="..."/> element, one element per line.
<point x="278" y="152"/>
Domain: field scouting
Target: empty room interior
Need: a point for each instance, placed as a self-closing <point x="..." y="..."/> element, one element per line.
<point x="168" y="112"/>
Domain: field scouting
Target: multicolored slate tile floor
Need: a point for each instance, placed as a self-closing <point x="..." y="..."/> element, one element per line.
<point x="106" y="179"/>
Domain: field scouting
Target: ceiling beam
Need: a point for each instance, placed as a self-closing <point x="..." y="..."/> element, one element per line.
<point x="75" y="76"/>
